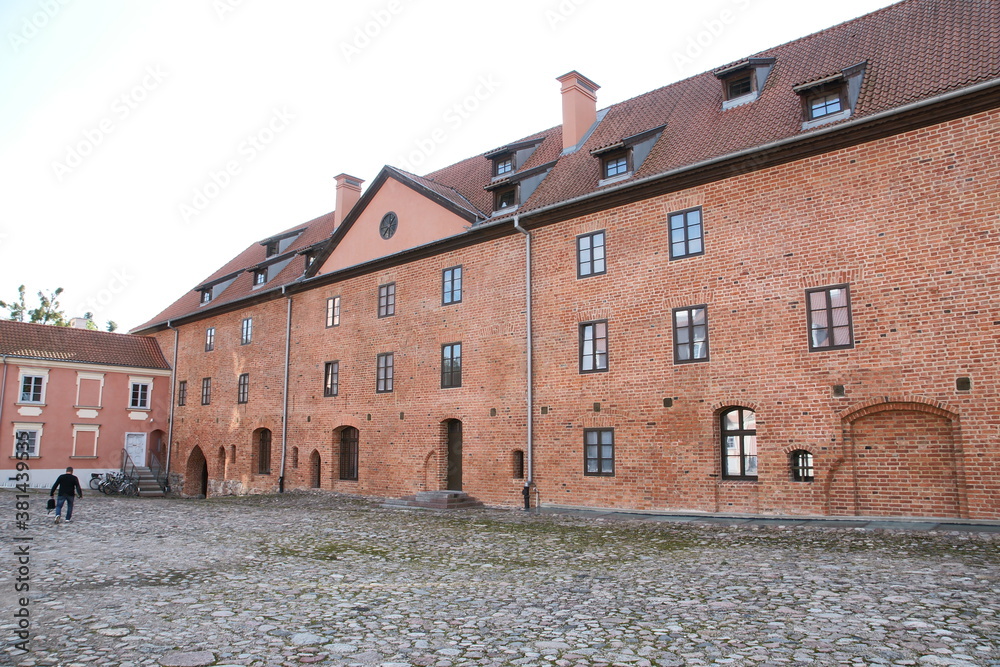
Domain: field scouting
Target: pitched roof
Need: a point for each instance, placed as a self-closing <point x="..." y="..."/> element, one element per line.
<point x="240" y="270"/>
<point x="911" y="51"/>
<point x="51" y="343"/>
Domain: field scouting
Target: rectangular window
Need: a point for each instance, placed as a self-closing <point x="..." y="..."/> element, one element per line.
<point x="505" y="198"/>
<point x="599" y="451"/>
<point x="686" y="234"/>
<point x="451" y="285"/>
<point x="615" y="165"/>
<point x="209" y="339"/>
<point x="259" y="277"/>
<point x="385" y="363"/>
<point x="739" y="86"/>
<point x="140" y="396"/>
<point x="690" y="334"/>
<point x="206" y="391"/>
<point x="331" y="378"/>
<point x="830" y="318"/>
<point x="594" y="347"/>
<point x="182" y="392"/>
<point x="504" y="166"/>
<point x="243" y="388"/>
<point x="333" y="312"/>
<point x="825" y="104"/>
<point x="387" y="300"/>
<point x="246" y="331"/>
<point x="26" y="441"/>
<point x="31" y="388"/>
<point x="590" y="254"/>
<point x="451" y="365"/>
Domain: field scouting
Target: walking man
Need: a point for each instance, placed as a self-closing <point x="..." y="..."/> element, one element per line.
<point x="68" y="486"/>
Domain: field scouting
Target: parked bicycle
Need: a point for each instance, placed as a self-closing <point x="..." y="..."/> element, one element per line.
<point x="116" y="483"/>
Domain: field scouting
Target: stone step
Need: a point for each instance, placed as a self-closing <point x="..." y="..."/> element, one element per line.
<point x="438" y="500"/>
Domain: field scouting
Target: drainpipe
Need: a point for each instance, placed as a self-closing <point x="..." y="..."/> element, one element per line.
<point x="530" y="479"/>
<point x="3" y="388"/>
<point x="284" y="401"/>
<point x="173" y="402"/>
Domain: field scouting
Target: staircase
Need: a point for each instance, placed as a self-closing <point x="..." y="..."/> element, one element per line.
<point x="148" y="486"/>
<point x="436" y="500"/>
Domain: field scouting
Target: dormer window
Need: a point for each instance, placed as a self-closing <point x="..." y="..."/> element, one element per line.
<point x="206" y="295"/>
<point x="259" y="277"/>
<point x="742" y="82"/>
<point x="504" y="166"/>
<point x="824" y="104"/>
<point x="272" y="248"/>
<point x="505" y="198"/>
<point x="615" y="164"/>
<point x="739" y="86"/>
<point x="622" y="158"/>
<point x="830" y="98"/>
<point x="508" y="159"/>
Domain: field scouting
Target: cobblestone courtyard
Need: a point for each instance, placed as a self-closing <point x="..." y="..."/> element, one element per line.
<point x="317" y="579"/>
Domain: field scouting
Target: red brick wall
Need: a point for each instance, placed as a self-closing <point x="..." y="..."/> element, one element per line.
<point x="908" y="222"/>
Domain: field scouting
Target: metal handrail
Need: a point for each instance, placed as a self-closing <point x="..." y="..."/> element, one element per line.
<point x="158" y="471"/>
<point x="128" y="467"/>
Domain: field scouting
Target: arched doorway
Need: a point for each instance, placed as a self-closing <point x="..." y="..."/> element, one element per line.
<point x="315" y="469"/>
<point x="454" y="442"/>
<point x="196" y="474"/>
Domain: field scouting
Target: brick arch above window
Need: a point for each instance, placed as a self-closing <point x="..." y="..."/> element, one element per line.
<point x="734" y="402"/>
<point x="898" y="403"/>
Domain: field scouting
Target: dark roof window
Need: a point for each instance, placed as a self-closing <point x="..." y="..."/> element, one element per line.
<point x="830" y="98"/>
<point x="742" y="82"/>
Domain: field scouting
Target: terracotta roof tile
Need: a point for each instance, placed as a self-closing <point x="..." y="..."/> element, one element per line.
<point x="913" y="50"/>
<point x="52" y="343"/>
<point x="315" y="231"/>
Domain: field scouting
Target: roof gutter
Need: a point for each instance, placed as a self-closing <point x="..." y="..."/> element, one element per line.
<point x="746" y="152"/>
<point x="173" y="402"/>
<point x="529" y="478"/>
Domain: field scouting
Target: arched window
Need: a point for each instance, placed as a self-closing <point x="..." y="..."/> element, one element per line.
<point x="739" y="443"/>
<point x="349" y="453"/>
<point x="264" y="452"/>
<point x="802" y="466"/>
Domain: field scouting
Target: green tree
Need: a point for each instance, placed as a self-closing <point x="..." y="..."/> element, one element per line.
<point x="48" y="310"/>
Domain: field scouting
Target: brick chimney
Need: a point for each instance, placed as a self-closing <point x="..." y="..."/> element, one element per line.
<point x="579" y="103"/>
<point x="348" y="194"/>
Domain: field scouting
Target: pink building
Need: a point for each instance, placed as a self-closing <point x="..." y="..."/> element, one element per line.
<point x="80" y="398"/>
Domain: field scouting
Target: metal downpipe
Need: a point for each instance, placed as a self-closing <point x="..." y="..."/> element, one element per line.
<point x="530" y="478"/>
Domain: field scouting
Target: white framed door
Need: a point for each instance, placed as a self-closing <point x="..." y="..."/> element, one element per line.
<point x="135" y="445"/>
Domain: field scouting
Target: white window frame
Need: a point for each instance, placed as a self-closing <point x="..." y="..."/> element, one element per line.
<point x="80" y="377"/>
<point x="32" y="372"/>
<point x="86" y="428"/>
<point x="133" y="380"/>
<point x="34" y="427"/>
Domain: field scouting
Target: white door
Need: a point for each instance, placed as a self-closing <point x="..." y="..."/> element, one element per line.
<point x="135" y="445"/>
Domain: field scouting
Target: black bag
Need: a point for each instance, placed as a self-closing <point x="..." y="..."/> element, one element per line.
<point x="51" y="504"/>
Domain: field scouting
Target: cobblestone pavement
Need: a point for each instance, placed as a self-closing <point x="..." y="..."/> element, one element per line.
<point x="319" y="579"/>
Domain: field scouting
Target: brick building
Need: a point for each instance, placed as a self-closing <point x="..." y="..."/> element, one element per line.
<point x="771" y="288"/>
<point x="79" y="398"/>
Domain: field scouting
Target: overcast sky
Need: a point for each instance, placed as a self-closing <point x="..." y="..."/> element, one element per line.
<point x="144" y="144"/>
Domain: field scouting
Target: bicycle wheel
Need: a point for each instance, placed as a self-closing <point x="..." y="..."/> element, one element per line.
<point x="104" y="487"/>
<point x="130" y="489"/>
<point x="95" y="483"/>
